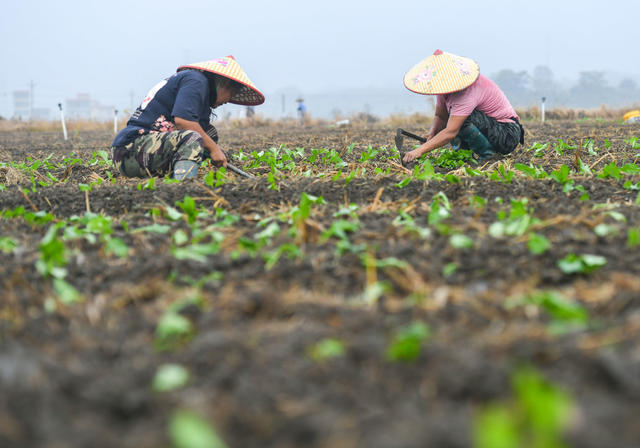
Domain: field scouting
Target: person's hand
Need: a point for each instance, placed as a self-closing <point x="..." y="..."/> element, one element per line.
<point x="218" y="158"/>
<point x="412" y="155"/>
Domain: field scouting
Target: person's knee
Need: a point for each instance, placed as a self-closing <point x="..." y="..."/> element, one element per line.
<point x="192" y="137"/>
<point x="191" y="147"/>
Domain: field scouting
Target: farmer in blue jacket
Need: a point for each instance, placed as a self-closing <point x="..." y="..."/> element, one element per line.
<point x="170" y="133"/>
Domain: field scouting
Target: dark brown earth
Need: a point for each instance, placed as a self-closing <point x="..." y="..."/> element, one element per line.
<point x="81" y="374"/>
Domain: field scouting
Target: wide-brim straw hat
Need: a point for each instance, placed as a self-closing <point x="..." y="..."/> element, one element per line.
<point x="227" y="66"/>
<point x="441" y="73"/>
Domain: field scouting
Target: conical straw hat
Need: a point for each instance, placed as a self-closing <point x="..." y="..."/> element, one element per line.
<point x="441" y="73"/>
<point x="227" y="66"/>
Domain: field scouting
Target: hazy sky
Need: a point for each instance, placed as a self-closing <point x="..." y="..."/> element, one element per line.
<point x="112" y="48"/>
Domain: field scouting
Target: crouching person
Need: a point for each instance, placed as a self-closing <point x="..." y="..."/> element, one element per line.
<point x="471" y="110"/>
<point x="169" y="133"/>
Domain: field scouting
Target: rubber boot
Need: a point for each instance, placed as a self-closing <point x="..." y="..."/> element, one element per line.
<point x="471" y="137"/>
<point x="185" y="169"/>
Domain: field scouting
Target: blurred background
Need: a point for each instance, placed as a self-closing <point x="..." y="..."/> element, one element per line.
<point x="342" y="58"/>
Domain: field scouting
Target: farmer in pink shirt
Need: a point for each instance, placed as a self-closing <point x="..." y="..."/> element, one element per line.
<point x="471" y="110"/>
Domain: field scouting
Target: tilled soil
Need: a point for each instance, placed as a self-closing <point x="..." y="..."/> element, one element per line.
<point x="81" y="374"/>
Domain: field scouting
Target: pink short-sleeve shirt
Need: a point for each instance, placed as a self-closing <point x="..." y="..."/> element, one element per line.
<point x="483" y="95"/>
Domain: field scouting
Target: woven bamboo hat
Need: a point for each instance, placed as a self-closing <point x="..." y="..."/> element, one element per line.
<point x="227" y="66"/>
<point x="441" y="73"/>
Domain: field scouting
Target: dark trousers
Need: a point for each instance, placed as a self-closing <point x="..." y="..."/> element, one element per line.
<point x="504" y="137"/>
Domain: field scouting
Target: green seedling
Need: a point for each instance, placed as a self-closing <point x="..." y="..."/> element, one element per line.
<point x="407" y="343"/>
<point x="7" y="244"/>
<point x="272" y="181"/>
<point x="100" y="157"/>
<point x="368" y="154"/>
<point x="38" y="218"/>
<point x="150" y="184"/>
<point x="633" y="141"/>
<point x="502" y="174"/>
<point x="589" y="145"/>
<point x="611" y="171"/>
<point x="566" y="315"/>
<point x="535" y="416"/>
<point x="450" y="269"/>
<point x="345" y="246"/>
<point x="116" y="247"/>
<point x="617" y="216"/>
<point x="188" y="206"/>
<point x="425" y="171"/>
<point x="478" y="202"/>
<point x="633" y="237"/>
<point x="110" y="176"/>
<point x="404" y="182"/>
<point x="581" y="264"/>
<point x="407" y="223"/>
<point x="460" y="241"/>
<point x="217" y="178"/>
<point x="629" y="185"/>
<point x="66" y="293"/>
<point x="173" y="329"/>
<point x="561" y="146"/>
<point x="518" y="222"/>
<point x="180" y="237"/>
<point x="326" y="349"/>
<point x="153" y="228"/>
<point x="170" y="377"/>
<point x="265" y="236"/>
<point x="189" y="430"/>
<point x="53" y="256"/>
<point x="198" y="252"/>
<point x="224" y="218"/>
<point x="452" y="179"/>
<point x="440" y="209"/>
<point x="534" y="172"/>
<point x="561" y="175"/>
<point x="473" y="172"/>
<point x="340" y="229"/>
<point x="538" y="149"/>
<point x="388" y="262"/>
<point x="272" y="257"/>
<point x="584" y="196"/>
<point x="350" y="211"/>
<point x="538" y="244"/>
<point x="603" y="230"/>
<point x="452" y="159"/>
<point x="630" y="169"/>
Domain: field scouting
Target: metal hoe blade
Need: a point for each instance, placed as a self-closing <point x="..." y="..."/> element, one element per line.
<point x="399" y="139"/>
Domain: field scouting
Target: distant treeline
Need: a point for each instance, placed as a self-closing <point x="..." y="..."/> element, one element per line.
<point x="591" y="90"/>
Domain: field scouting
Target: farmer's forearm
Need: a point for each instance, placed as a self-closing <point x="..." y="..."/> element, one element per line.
<point x="189" y="125"/>
<point x="438" y="140"/>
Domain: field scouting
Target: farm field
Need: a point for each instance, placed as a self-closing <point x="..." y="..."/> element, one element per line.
<point x="339" y="299"/>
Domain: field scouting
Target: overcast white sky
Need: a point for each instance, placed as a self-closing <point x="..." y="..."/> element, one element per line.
<point x="112" y="48"/>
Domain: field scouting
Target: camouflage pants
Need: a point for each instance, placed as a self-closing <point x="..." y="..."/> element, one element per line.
<point x="504" y="137"/>
<point x="155" y="153"/>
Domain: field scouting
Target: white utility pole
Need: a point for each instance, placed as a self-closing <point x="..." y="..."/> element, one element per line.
<point x="64" y="126"/>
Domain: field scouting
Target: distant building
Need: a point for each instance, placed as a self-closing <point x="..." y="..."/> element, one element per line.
<point x="40" y="113"/>
<point x="22" y="109"/>
<point x="79" y="107"/>
<point x="83" y="107"/>
<point x="22" y="104"/>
